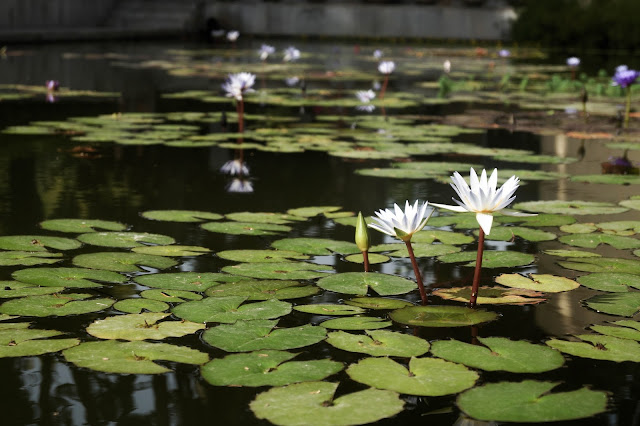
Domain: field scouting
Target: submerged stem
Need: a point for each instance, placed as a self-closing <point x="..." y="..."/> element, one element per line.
<point x="476" y="275"/>
<point x="627" y="108"/>
<point x="416" y="271"/>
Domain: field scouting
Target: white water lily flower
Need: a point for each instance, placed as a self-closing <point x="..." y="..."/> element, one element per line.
<point x="235" y="167"/>
<point x="573" y="61"/>
<point x="386" y="67"/>
<point x="291" y="54"/>
<point x="239" y="84"/>
<point x="377" y="53"/>
<point x="402" y="224"/>
<point x="482" y="197"/>
<point x="233" y="35"/>
<point x="265" y="51"/>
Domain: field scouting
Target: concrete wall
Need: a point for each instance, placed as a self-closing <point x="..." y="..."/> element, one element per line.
<point x="363" y="20"/>
<point x="53" y="14"/>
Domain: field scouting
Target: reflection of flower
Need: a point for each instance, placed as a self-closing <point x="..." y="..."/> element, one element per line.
<point x="239" y="84"/>
<point x="366" y="107"/>
<point x="377" y="53"/>
<point x="265" y="51"/>
<point x="365" y="95"/>
<point x="624" y="77"/>
<point x="240" y="185"/>
<point x="504" y="53"/>
<point x="233" y="35"/>
<point x="291" y="54"/>
<point x="52" y="85"/>
<point x="292" y="81"/>
<point x="386" y="67"/>
<point x="402" y="224"/>
<point x="50" y="98"/>
<point x="573" y="61"/>
<point x="234" y="167"/>
<point x="482" y="197"/>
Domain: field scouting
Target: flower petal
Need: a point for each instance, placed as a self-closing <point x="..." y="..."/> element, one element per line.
<point x="485" y="220"/>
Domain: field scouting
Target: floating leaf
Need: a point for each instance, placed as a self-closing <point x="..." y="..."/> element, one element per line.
<point x="124" y="239"/>
<point x="613" y="282"/>
<point x="329" y="309"/>
<point x="170" y="296"/>
<point x="37" y="243"/>
<point x="542" y="219"/>
<point x="620" y="227"/>
<point x="180" y="215"/>
<point x="136" y="306"/>
<point x="607" y="178"/>
<point x="266" y="368"/>
<point x="172" y="250"/>
<point x="570" y="207"/>
<point x="315" y="403"/>
<point x="492" y="295"/>
<point x="603" y="264"/>
<point x="360" y="282"/>
<point x="261" y="255"/>
<point x="312" y="211"/>
<point x="374" y="258"/>
<point x="279" y="270"/>
<point x="571" y="253"/>
<point x="428" y="236"/>
<point x="271" y="218"/>
<point x="257" y="335"/>
<point x="441" y="316"/>
<point x="593" y="240"/>
<point x="490" y="259"/>
<point x="190" y="281"/>
<point x="607" y="348"/>
<point x="579" y="228"/>
<point x="419" y="250"/>
<point x="67" y="277"/>
<point x="27" y="258"/>
<point x="55" y="305"/>
<point x="356" y="323"/>
<point x="315" y="246"/>
<point x="228" y="309"/>
<point x="111" y="356"/>
<point x="379" y="343"/>
<point x="122" y="262"/>
<point x="141" y="327"/>
<point x="264" y="289"/>
<point x="500" y="354"/>
<point x="538" y="282"/>
<point x="378" y="303"/>
<point x="12" y="289"/>
<point x="425" y="376"/>
<point x="627" y="329"/>
<point x="22" y="341"/>
<point x="530" y="401"/>
<point x="508" y="233"/>
<point x="623" y="304"/>
<point x="81" y="225"/>
<point x="245" y="228"/>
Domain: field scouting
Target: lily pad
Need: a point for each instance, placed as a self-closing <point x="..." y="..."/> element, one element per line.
<point x="500" y="354"/>
<point x="571" y="253"/>
<point x="594" y="240"/>
<point x="603" y="264"/>
<point x="378" y="303"/>
<point x="22" y="341"/>
<point x="579" y="228"/>
<point x="141" y="327"/>
<point x="441" y="316"/>
<point x="266" y="368"/>
<point x="136" y="306"/>
<point x="624" y="329"/>
<point x="37" y="243"/>
<point x="67" y="277"/>
<point x="419" y="249"/>
<point x="261" y="255"/>
<point x="542" y="219"/>
<point x="490" y="259"/>
<point x="379" y="343"/>
<point x="428" y="236"/>
<point x="312" y="211"/>
<point x="538" y="282"/>
<point x="180" y="215"/>
<point x="123" y="239"/>
<point x="374" y="258"/>
<point x="81" y="226"/>
<point x="190" y="281"/>
<point x="245" y="228"/>
<point x="356" y="323"/>
<point x="360" y="282"/>
<point x="264" y="289"/>
<point x="271" y="218"/>
<point x="172" y="250"/>
<point x="492" y="295"/>
<point x="315" y="246"/>
<point x="122" y="262"/>
<point x="315" y="403"/>
<point x="610" y="281"/>
<point x="112" y="356"/>
<point x="55" y="305"/>
<point x="603" y="347"/>
<point x="425" y="376"/>
<point x="508" y="233"/>
<point x="12" y="289"/>
<point x="27" y="258"/>
<point x="170" y="296"/>
<point x="607" y="179"/>
<point x="228" y="309"/>
<point x="570" y="207"/>
<point x="623" y="304"/>
<point x="257" y="335"/>
<point x="328" y="309"/>
<point x="530" y="401"/>
<point x="279" y="270"/>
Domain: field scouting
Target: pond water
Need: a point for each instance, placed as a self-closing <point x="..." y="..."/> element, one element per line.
<point x="56" y="174"/>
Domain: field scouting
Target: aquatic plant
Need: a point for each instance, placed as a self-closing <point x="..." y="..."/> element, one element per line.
<point x="573" y="63"/>
<point x="624" y="77"/>
<point x="386" y="68"/>
<point x="362" y="240"/>
<point x="365" y="96"/>
<point x="291" y="54"/>
<point x="232" y="36"/>
<point x="265" y="51"/>
<point x="236" y="86"/>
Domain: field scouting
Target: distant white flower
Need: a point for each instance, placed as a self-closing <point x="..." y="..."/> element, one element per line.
<point x="234" y="167"/>
<point x="376" y="85"/>
<point x="402" y="224"/>
<point x="233" y="35"/>
<point x="386" y="67"/>
<point x="240" y="185"/>
<point x="292" y="81"/>
<point x="482" y="197"/>
<point x="377" y="53"/>
<point x="239" y="84"/>
<point x="446" y="66"/>
<point x="291" y="54"/>
<point x="365" y="95"/>
<point x="265" y="51"/>
<point x="504" y="53"/>
<point x="573" y="61"/>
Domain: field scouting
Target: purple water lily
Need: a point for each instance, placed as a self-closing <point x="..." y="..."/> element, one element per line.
<point x="624" y="77"/>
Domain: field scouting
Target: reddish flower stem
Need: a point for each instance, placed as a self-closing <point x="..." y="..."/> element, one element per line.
<point x="476" y="275"/>
<point x="384" y="86"/>
<point x="240" y="116"/>
<point x="416" y="271"/>
<point x="365" y="256"/>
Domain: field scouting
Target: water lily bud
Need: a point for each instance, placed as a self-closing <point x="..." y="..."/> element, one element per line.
<point x="362" y="234"/>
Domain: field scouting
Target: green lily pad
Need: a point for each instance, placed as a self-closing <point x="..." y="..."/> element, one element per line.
<point x="266" y="368"/>
<point x="37" y="243"/>
<point x="419" y="249"/>
<point x="112" y="356"/>
<point x="603" y="264"/>
<point x="315" y="246"/>
<point x="22" y="341"/>
<point x="360" y="282"/>
<point x="542" y="219"/>
<point x="458" y="221"/>
<point x="261" y="255"/>
<point x="538" y="282"/>
<point x="530" y="401"/>
<point x="279" y="270"/>
<point x="136" y="306"/>
<point x="67" y="277"/>
<point x="620" y="227"/>
<point x="570" y="207"/>
<point x="500" y="354"/>
<point x="124" y="239"/>
<point x="593" y="240"/>
<point x="492" y="295"/>
<point x="26" y="258"/>
<point x="312" y="211"/>
<point x="271" y="218"/>
<point x="180" y="215"/>
<point x="172" y="250"/>
<point x="257" y="335"/>
<point x="228" y="309"/>
<point x="315" y="403"/>
<point x="141" y="327"/>
<point x="329" y="309"/>
<point x="55" y="305"/>
<point x="603" y="347"/>
<point x="508" y="233"/>
<point x="612" y="282"/>
<point x="536" y="159"/>
<point x="623" y="304"/>
<point x="633" y="203"/>
<point x="607" y="178"/>
<point x="245" y="228"/>
<point x="379" y="343"/>
<point x="190" y="281"/>
<point x="425" y="376"/>
<point x="428" y="236"/>
<point x="624" y="329"/>
<point x="571" y="253"/>
<point x="356" y="323"/>
<point x="441" y="316"/>
<point x="81" y="226"/>
<point x="579" y="228"/>
<point x="170" y="296"/>
<point x="378" y="303"/>
<point x="264" y="289"/>
<point x="122" y="262"/>
<point x="490" y="259"/>
<point x="12" y="289"/>
<point x="374" y="258"/>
